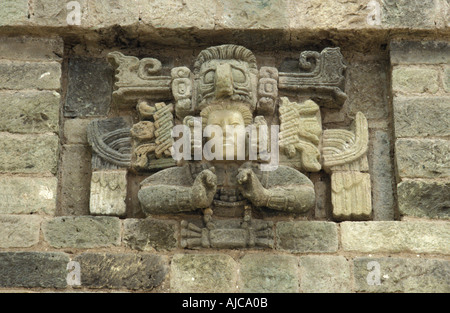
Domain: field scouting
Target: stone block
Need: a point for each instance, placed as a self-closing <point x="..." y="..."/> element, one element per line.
<point x="130" y="271"/>
<point x="89" y="87"/>
<point x="17" y="75"/>
<point x="33" y="269"/>
<point x="419" y="52"/>
<point x="401" y="275"/>
<point x="75" y="179"/>
<point x="325" y="274"/>
<point x="396" y="236"/>
<point x="351" y="195"/>
<point x="262" y="273"/>
<point x="306" y="236"/>
<point x="19" y="231"/>
<point x="148" y="234"/>
<point x="409" y="14"/>
<point x="108" y="193"/>
<point x="325" y="14"/>
<point x="271" y="14"/>
<point x="367" y="89"/>
<point x="446" y="79"/>
<point x="382" y="175"/>
<point x="423" y="198"/>
<point x="211" y="273"/>
<point x="31" y="48"/>
<point x="421" y="116"/>
<point x="427" y="158"/>
<point x="55" y="13"/>
<point x="174" y="14"/>
<point x="75" y="131"/>
<point x="82" y="231"/>
<point x="29" y="153"/>
<point x="29" y="111"/>
<point x="106" y="13"/>
<point x="13" y="12"/>
<point x="409" y="79"/>
<point x="25" y="195"/>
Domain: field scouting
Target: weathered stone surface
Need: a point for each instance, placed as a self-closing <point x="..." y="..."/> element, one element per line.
<point x="401" y="275"/>
<point x="367" y="88"/>
<point x="30" y="75"/>
<point x="396" y="236"/>
<point x="28" y="153"/>
<point x="408" y="79"/>
<point x="131" y="271"/>
<point x="421" y="116"/>
<point x="31" y="48"/>
<point x="409" y="14"/>
<point x="29" y="112"/>
<point x="424" y="198"/>
<point x="148" y="234"/>
<point x="382" y="175"/>
<point x="203" y="273"/>
<point x="268" y="273"/>
<point x="19" y="231"/>
<point x="446" y="78"/>
<point x="13" y="12"/>
<point x="419" y="52"/>
<point x="89" y="87"/>
<point x="108" y="193"/>
<point x="123" y="12"/>
<point x="54" y="13"/>
<point x="82" y="231"/>
<point x="252" y="14"/>
<point x="33" y="269"/>
<point x="323" y="274"/>
<point x="75" y="179"/>
<point x="428" y="158"/>
<point x="24" y="195"/>
<point x="173" y="14"/>
<point x="75" y="131"/>
<point x="305" y="236"/>
<point x="351" y="195"/>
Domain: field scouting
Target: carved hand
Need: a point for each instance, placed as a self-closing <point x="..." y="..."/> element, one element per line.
<point x="204" y="188"/>
<point x="251" y="187"/>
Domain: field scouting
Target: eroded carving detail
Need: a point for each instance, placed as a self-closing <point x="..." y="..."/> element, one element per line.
<point x="108" y="193"/>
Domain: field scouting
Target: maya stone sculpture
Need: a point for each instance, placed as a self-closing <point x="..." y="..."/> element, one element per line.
<point x="227" y="171"/>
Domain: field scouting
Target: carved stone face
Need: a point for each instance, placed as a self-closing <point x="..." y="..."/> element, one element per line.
<point x="225" y="79"/>
<point x="232" y="125"/>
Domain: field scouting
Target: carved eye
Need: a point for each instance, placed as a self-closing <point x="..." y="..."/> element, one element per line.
<point x="238" y="75"/>
<point x="208" y="78"/>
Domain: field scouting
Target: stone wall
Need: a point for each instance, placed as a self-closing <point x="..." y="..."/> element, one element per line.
<point x="54" y="80"/>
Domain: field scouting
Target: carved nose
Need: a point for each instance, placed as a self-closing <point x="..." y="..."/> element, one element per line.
<point x="224" y="81"/>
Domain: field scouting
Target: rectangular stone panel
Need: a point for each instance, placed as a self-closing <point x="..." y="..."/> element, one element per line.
<point x="31" y="48"/>
<point x="19" y="231"/>
<point x="25" y="195"/>
<point x="13" y="12"/>
<point x="28" y="153"/>
<point x="396" y="236"/>
<point x="17" y="75"/>
<point x="82" y="231"/>
<point x="148" y="234"/>
<point x="131" y="271"/>
<point x="409" y="14"/>
<point x="420" y="52"/>
<point x="421" y="116"/>
<point x="203" y="273"/>
<point x="33" y="269"/>
<point x="89" y="87"/>
<point x="108" y="193"/>
<point x="325" y="274"/>
<point x="29" y="112"/>
<point x="426" y="158"/>
<point x="307" y="236"/>
<point x="401" y="275"/>
<point x="262" y="273"/>
<point x="415" y="80"/>
<point x="424" y="198"/>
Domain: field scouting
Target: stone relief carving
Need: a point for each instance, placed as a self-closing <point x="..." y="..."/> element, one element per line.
<point x="224" y="89"/>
